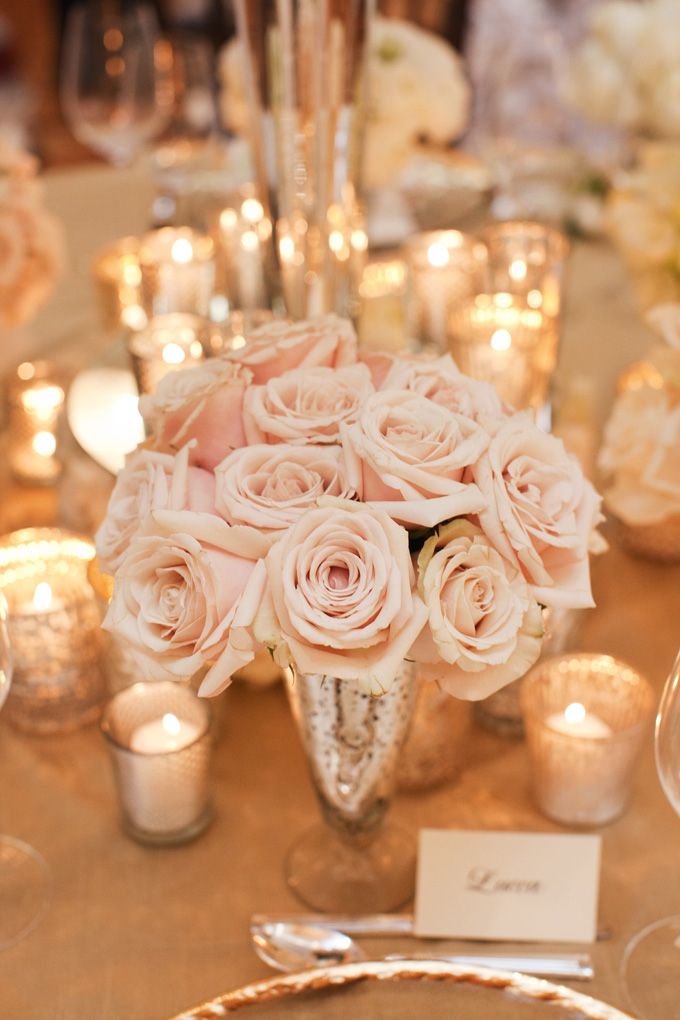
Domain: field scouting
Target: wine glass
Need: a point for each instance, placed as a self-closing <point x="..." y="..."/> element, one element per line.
<point x="650" y="968"/>
<point x="25" y="883"/>
<point x="116" y="77"/>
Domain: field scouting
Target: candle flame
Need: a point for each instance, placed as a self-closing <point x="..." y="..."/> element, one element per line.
<point x="575" y="713"/>
<point x="437" y="255"/>
<point x="42" y="597"/>
<point x="501" y="340"/>
<point x="518" y="269"/>
<point x="44" y="444"/>
<point x="171" y="724"/>
<point x="249" y="241"/>
<point x="173" y="354"/>
<point x="182" y="251"/>
<point x="252" y="210"/>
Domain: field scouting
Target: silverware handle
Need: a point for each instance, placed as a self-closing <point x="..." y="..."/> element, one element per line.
<point x="570" y="967"/>
<point x="366" y="924"/>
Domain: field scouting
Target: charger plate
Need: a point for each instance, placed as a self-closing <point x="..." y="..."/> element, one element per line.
<point x="407" y="988"/>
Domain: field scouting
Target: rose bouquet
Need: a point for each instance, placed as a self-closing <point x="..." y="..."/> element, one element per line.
<point x="31" y="244"/>
<point x="346" y="516"/>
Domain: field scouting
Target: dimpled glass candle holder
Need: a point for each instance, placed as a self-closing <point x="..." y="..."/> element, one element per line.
<point x="36" y="400"/>
<point x="160" y="742"/>
<point x="168" y="343"/>
<point x="177" y="266"/>
<point x="54" y="628"/>
<point x="118" y="280"/>
<point x="585" y="717"/>
<point x="443" y="268"/>
<point x="527" y="259"/>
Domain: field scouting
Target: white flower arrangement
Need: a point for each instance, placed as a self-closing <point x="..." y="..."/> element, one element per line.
<point x="626" y="73"/>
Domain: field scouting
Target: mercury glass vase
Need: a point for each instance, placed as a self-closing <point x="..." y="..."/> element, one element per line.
<point x="304" y="75"/>
<point x="353" y="863"/>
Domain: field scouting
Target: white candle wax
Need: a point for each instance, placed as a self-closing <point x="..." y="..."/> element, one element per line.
<point x="159" y="736"/>
<point x="163" y="793"/>
<point x="575" y="721"/>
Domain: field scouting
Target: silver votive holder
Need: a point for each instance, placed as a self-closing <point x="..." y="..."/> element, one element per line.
<point x="586" y="716"/>
<point x="159" y="737"/>
<point x="168" y="343"/>
<point x="443" y="268"/>
<point x="36" y="400"/>
<point x="177" y="266"/>
<point x="118" y="283"/>
<point x="500" y="338"/>
<point x="54" y="628"/>
<point x="527" y="259"/>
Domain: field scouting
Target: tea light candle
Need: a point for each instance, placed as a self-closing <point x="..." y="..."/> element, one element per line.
<point x="177" y="266"/>
<point x="54" y="626"/>
<point x="36" y="400"/>
<point x="444" y="266"/>
<point x="159" y="738"/>
<point x="168" y="343"/>
<point x="585" y="718"/>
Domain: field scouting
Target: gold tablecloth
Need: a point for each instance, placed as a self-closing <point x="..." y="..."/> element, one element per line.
<point x="139" y="934"/>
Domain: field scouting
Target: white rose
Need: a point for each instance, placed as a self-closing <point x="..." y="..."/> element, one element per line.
<point x="440" y="380"/>
<point x="484" y="627"/>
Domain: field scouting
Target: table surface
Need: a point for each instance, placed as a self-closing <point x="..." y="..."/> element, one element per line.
<point x="139" y="934"/>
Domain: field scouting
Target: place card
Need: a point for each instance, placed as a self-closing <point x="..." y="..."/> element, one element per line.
<point x="535" y="887"/>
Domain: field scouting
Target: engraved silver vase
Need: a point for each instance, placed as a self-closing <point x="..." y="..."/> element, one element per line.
<point x="353" y="863"/>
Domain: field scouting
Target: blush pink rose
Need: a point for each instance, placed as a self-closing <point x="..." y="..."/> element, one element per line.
<point x="341" y="597"/>
<point x="440" y="380"/>
<point x="185" y="598"/>
<point x="270" y="487"/>
<point x="407" y="456"/>
<point x="150" y="481"/>
<point x="204" y="403"/>
<point x="379" y="364"/>
<point x="278" y="347"/>
<point x="540" y="511"/>
<point x="484" y="627"/>
<point x="307" y="405"/>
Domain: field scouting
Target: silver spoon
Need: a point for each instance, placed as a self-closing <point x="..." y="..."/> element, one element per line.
<point x="289" y="947"/>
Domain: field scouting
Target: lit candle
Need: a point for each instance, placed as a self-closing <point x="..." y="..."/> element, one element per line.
<point x="243" y="232"/>
<point x="160" y="740"/>
<point x="168" y="343"/>
<point x="177" y="268"/>
<point x="576" y="721"/>
<point x="118" y="279"/>
<point x="158" y="736"/>
<point x="36" y="401"/>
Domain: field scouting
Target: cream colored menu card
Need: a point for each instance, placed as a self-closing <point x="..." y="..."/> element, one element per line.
<point x="534" y="887"/>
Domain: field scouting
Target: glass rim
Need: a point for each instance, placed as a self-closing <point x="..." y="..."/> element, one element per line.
<point x="104" y="722"/>
<point x="532" y="678"/>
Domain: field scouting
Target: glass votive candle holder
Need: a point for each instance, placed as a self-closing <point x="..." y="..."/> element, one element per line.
<point x="158" y="733"/>
<point x="118" y="283"/>
<point x="242" y="234"/>
<point x="168" y="343"/>
<point x="502" y="339"/>
<point x="443" y="268"/>
<point x="585" y="717"/>
<point x="230" y="329"/>
<point x="54" y="628"/>
<point x="382" y="306"/>
<point x="177" y="266"/>
<point x="36" y="400"/>
<point x="527" y="259"/>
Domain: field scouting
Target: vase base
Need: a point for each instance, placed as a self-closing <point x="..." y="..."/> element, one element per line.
<point x="330" y="874"/>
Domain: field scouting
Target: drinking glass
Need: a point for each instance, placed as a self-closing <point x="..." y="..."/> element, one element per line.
<point x="116" y="78"/>
<point x="650" y="968"/>
<point x="24" y="876"/>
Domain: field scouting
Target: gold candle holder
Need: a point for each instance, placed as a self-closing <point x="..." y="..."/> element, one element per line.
<point x="159" y="737"/>
<point x="168" y="343"/>
<point x="242" y="233"/>
<point x="585" y="718"/>
<point x="118" y="282"/>
<point x="36" y="400"/>
<point x="54" y="628"/>
<point x="501" y="338"/>
<point x="527" y="259"/>
<point x="177" y="266"/>
<point x="444" y="267"/>
<point x="382" y="309"/>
